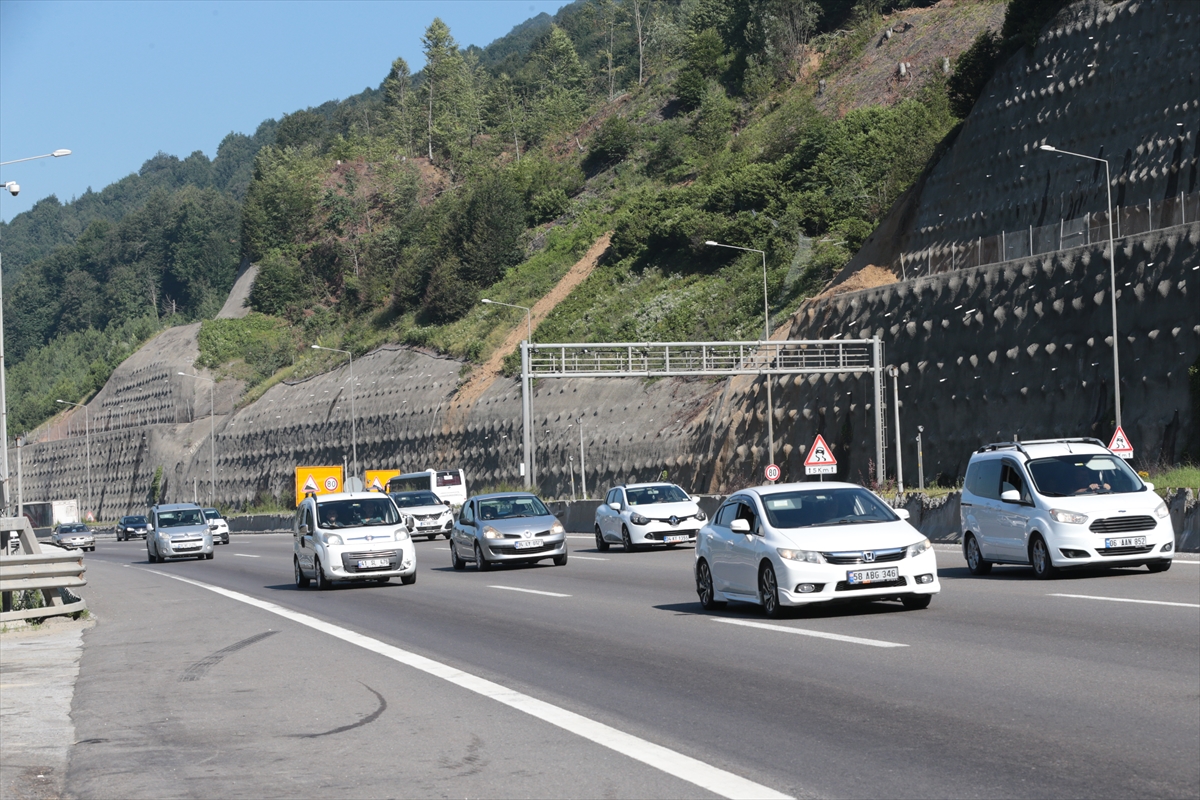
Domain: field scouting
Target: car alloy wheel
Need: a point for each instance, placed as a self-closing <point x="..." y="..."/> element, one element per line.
<point x="323" y="583"/>
<point x="601" y="545"/>
<point x="302" y="580"/>
<point x="1039" y="557"/>
<point x="704" y="587"/>
<point x="975" y="562"/>
<point x="626" y="541"/>
<point x="481" y="563"/>
<point x="768" y="591"/>
<point x="455" y="561"/>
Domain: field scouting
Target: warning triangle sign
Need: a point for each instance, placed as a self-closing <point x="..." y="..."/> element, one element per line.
<point x="375" y="486"/>
<point x="820" y="455"/>
<point x="310" y="485"/>
<point x="1120" y="444"/>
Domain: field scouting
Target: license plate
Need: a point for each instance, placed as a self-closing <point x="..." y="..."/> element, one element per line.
<point x="526" y="544"/>
<point x="426" y="524"/>
<point x="1129" y="541"/>
<point x="673" y="539"/>
<point x="861" y="577"/>
<point x="187" y="547"/>
<point x="372" y="563"/>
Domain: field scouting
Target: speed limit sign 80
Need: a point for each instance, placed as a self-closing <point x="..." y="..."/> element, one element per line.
<point x="772" y="472"/>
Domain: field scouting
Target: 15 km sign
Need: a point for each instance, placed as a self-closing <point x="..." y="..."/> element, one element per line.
<point x="820" y="460"/>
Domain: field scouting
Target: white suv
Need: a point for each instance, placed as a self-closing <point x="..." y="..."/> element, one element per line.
<point x="1061" y="503"/>
<point x="352" y="536"/>
<point x="647" y="514"/>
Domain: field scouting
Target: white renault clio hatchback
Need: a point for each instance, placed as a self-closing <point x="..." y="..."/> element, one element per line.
<point x="1061" y="503"/>
<point x="352" y="536"/>
<point x="801" y="543"/>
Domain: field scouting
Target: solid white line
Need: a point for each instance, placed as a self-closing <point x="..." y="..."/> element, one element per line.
<point x="579" y="536"/>
<point x="244" y="555"/>
<point x="589" y="558"/>
<point x="529" y="591"/>
<point x="804" y="632"/>
<point x="1126" y="600"/>
<point x="694" y="771"/>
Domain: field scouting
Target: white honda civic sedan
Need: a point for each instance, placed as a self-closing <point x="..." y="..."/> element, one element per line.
<point x="802" y="543"/>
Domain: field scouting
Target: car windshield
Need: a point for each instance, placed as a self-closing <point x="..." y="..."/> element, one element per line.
<point x="413" y="499"/>
<point x="1066" y="476"/>
<point x="512" y="507"/>
<point x="183" y="516"/>
<point x="357" y="513"/>
<point x="808" y="509"/>
<point x="74" y="528"/>
<point x="134" y="520"/>
<point x="212" y="513"/>
<point x="648" y="495"/>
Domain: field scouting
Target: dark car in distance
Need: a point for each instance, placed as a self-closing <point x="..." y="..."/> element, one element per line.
<point x="132" y="527"/>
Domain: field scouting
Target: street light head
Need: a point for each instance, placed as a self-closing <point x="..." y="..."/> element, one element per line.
<point x="486" y="302"/>
<point x="1048" y="148"/>
<point x="64" y="402"/>
<point x="711" y="243"/>
<point x="61" y="153"/>
<point x="316" y="347"/>
<point x="184" y="374"/>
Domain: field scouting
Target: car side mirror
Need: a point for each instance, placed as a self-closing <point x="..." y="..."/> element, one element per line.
<point x="694" y="498"/>
<point x="303" y="529"/>
<point x="1149" y="486"/>
<point x="1011" y="496"/>
<point x="615" y="506"/>
<point x="902" y="513"/>
<point x="739" y="526"/>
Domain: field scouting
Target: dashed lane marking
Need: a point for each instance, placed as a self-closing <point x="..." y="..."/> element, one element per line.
<point x="805" y="632"/>
<point x="529" y="591"/>
<point x="1125" y="600"/>
<point x="588" y="558"/>
<point x="694" y="771"/>
<point x="244" y="555"/>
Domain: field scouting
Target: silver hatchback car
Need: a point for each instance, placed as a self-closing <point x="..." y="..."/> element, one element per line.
<point x="511" y="527"/>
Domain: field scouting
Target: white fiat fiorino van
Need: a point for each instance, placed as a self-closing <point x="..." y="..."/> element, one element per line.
<point x="352" y="536"/>
<point x="1058" y="504"/>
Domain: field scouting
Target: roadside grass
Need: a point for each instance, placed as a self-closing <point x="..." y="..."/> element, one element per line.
<point x="1185" y="476"/>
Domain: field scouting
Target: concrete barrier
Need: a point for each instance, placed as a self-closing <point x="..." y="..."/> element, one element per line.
<point x="261" y="523"/>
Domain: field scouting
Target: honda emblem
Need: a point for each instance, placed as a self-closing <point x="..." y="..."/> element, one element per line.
<point x="868" y="556"/>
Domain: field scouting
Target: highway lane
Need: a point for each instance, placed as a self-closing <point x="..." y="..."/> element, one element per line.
<point x="999" y="689"/>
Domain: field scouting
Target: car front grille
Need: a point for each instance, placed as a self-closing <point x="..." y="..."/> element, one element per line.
<point x="659" y="535"/>
<point x="426" y="517"/>
<point x="350" y="560"/>
<point x="881" y="557"/>
<point x="1124" y="551"/>
<point x="846" y="586"/>
<point x="1123" y="524"/>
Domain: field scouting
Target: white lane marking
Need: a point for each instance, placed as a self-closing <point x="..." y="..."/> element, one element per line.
<point x="805" y="632"/>
<point x="588" y="558"/>
<point x="1126" y="600"/>
<point x="529" y="591"/>
<point x="579" y="536"/>
<point x="694" y="771"/>
<point x="244" y="555"/>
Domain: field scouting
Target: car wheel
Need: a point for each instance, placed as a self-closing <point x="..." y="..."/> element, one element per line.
<point x="302" y="580"/>
<point x="151" y="557"/>
<point x="455" y="561"/>
<point x="601" y="545"/>
<point x="915" y="602"/>
<point x="1159" y="566"/>
<point x="323" y="582"/>
<point x="208" y="556"/>
<point x="408" y="580"/>
<point x="975" y="561"/>
<point x="626" y="542"/>
<point x="768" y="592"/>
<point x="447" y="535"/>
<point x="704" y="587"/>
<point x="1039" y="557"/>
<point x="560" y="561"/>
<point x="481" y="563"/>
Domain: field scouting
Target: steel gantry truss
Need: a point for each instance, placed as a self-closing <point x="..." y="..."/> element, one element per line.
<point x="701" y="359"/>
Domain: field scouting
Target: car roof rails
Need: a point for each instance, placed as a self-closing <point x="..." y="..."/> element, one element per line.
<point x="1074" y="440"/>
<point x="988" y="448"/>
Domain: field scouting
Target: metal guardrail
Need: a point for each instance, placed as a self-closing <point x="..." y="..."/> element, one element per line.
<point x="37" y="570"/>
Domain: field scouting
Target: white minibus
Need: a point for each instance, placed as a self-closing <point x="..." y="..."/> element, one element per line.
<point x="448" y="484"/>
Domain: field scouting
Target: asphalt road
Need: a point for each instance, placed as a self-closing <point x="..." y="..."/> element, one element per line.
<point x="1002" y="688"/>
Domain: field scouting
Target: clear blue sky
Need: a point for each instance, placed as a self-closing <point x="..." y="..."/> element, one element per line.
<point x="115" y="82"/>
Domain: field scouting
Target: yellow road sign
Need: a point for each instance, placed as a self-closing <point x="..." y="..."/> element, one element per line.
<point x="377" y="479"/>
<point x="317" y="480"/>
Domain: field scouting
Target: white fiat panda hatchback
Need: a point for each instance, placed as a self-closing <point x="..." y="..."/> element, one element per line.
<point x="1059" y="504"/>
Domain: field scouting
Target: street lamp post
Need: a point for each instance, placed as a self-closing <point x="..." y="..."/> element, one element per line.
<point x="353" y="416"/>
<point x="766" y="340"/>
<point x="895" y="373"/>
<point x="582" y="474"/>
<point x="87" y="434"/>
<point x="1112" y="271"/>
<point x="212" y="436"/>
<point x="526" y="400"/>
<point x="12" y="188"/>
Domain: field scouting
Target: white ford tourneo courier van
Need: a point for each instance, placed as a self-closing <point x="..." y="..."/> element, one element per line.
<point x="1061" y="503"/>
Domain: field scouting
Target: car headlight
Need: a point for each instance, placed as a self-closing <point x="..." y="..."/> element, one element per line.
<point x="400" y="535"/>
<point x="700" y="515"/>
<point x="809" y="556"/>
<point x="1162" y="512"/>
<point x="638" y="519"/>
<point x="922" y="546"/>
<point x="491" y="533"/>
<point x="333" y="538"/>
<point x="557" y="528"/>
<point x="1071" y="517"/>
